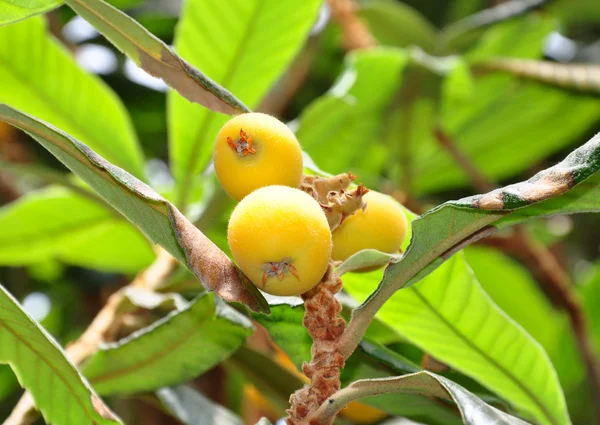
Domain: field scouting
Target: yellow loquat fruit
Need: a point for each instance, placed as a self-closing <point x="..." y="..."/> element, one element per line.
<point x="280" y="238"/>
<point x="254" y="150"/>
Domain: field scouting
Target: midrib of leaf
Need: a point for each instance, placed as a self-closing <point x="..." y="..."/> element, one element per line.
<point x="497" y="365"/>
<point x="208" y="118"/>
<point x="140" y="365"/>
<point x="61" y="230"/>
<point x="28" y="85"/>
<point x="125" y="34"/>
<point x="39" y="356"/>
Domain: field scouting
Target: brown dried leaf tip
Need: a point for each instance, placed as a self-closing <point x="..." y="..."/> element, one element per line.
<point x="243" y="146"/>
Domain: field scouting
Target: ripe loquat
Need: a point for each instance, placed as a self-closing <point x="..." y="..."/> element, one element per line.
<point x="254" y="150"/>
<point x="382" y="225"/>
<point x="281" y="240"/>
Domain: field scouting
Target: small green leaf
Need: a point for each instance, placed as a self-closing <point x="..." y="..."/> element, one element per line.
<point x="364" y="259"/>
<point x="173" y="350"/>
<point x="245" y="46"/>
<point x="154" y="215"/>
<point x="449" y="316"/>
<point x="16" y="10"/>
<point x="155" y="57"/>
<point x="53" y="223"/>
<point x="62" y="395"/>
<point x="40" y="77"/>
<point x="192" y="408"/>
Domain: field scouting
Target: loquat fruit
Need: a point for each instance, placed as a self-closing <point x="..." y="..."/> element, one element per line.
<point x="254" y="150"/>
<point x="281" y="240"/>
<point x="382" y="225"/>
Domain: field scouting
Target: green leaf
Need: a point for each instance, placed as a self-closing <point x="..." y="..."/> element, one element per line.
<point x="472" y="409"/>
<point x="502" y="277"/>
<point x="154" y="215"/>
<point x="568" y="187"/>
<point x="571" y="186"/>
<point x="342" y="130"/>
<point x="245" y="46"/>
<point x="449" y="316"/>
<point x="53" y="223"/>
<point x="16" y="10"/>
<point x="155" y="57"/>
<point x="285" y="328"/>
<point x="397" y="24"/>
<point x="192" y="408"/>
<point x="175" y="349"/>
<point x="366" y="258"/>
<point x="62" y="395"/>
<point x="39" y="77"/>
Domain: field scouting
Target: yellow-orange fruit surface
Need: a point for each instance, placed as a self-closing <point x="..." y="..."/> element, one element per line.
<point x="382" y="226"/>
<point x="280" y="238"/>
<point x="255" y="150"/>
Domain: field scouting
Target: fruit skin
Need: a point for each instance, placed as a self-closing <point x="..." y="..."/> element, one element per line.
<point x="277" y="159"/>
<point x="275" y="224"/>
<point x="381" y="226"/>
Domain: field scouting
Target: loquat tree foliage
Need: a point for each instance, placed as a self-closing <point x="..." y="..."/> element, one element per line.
<point x="288" y="263"/>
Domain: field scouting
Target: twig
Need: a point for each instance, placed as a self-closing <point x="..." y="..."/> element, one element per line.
<point x="355" y="33"/>
<point x="479" y="181"/>
<point x="102" y="328"/>
<point x="280" y="95"/>
<point x="321" y="319"/>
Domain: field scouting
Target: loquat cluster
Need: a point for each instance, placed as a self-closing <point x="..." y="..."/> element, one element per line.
<point x="288" y="227"/>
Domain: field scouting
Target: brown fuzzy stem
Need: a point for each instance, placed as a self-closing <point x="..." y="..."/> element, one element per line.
<point x="321" y="319"/>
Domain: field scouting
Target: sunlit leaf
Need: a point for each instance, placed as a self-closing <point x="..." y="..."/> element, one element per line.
<point x="449" y="316"/>
<point x="245" y="46"/>
<point x="173" y="350"/>
<point x="54" y="223"/>
<point x="39" y="77"/>
<point x="16" y="10"/>
<point x="62" y="395"/>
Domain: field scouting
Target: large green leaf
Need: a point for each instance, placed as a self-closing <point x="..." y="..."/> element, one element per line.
<point x="39" y="77"/>
<point x="473" y="410"/>
<point x="192" y="408"/>
<point x="54" y="223"/>
<point x="154" y="215"/>
<point x="171" y="351"/>
<point x="16" y="10"/>
<point x="155" y="57"/>
<point x="502" y="277"/>
<point x="342" y="130"/>
<point x="243" y="45"/>
<point x="449" y="316"/>
<point x="62" y="395"/>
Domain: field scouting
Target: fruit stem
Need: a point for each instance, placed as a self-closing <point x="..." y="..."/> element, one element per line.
<point x="321" y="319"/>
